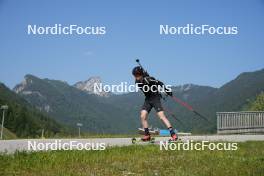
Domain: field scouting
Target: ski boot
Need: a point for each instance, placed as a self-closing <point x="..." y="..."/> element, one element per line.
<point x="173" y="138"/>
<point x="146" y="138"/>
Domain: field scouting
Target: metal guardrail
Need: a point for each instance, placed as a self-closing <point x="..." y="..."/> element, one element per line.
<point x="240" y="122"/>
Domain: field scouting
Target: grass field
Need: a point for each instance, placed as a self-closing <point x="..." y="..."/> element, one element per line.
<point x="138" y="160"/>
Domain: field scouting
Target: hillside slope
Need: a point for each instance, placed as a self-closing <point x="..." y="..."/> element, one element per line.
<point x="23" y="120"/>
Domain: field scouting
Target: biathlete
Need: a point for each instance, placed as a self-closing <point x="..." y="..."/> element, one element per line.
<point x="149" y="86"/>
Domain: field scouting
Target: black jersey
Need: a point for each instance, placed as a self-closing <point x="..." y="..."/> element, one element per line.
<point x="149" y="86"/>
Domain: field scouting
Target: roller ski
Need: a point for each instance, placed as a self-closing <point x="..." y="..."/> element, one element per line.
<point x="144" y="139"/>
<point x="174" y="139"/>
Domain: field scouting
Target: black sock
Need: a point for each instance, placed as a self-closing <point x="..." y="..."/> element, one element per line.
<point x="146" y="131"/>
<point x="172" y="132"/>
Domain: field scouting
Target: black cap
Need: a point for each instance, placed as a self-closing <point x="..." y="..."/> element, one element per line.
<point x="137" y="71"/>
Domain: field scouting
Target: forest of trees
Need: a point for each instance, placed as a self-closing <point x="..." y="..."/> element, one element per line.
<point x="258" y="104"/>
<point x="24" y="120"/>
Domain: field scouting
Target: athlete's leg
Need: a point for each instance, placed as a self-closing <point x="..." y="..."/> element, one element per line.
<point x="144" y="122"/>
<point x="160" y="112"/>
<point x="144" y="117"/>
<point x="164" y="119"/>
<point x="156" y="103"/>
<point x="145" y="109"/>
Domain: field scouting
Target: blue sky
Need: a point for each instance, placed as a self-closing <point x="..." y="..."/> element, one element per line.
<point x="132" y="32"/>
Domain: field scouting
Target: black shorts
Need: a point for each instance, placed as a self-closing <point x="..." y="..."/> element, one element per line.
<point x="152" y="102"/>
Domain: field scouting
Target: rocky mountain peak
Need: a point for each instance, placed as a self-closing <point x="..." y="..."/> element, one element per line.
<point x="88" y="86"/>
<point x="22" y="86"/>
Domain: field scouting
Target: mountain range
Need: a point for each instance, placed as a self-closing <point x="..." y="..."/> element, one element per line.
<point x="68" y="105"/>
<point x="72" y="104"/>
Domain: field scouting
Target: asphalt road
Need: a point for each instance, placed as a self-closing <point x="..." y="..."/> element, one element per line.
<point x="10" y="146"/>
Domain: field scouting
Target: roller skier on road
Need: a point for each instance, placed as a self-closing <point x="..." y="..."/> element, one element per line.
<point x="149" y="86"/>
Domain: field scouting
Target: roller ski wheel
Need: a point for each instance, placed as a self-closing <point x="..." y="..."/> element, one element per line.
<point x="136" y="141"/>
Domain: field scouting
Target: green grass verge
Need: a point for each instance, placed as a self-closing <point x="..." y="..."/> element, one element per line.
<point x="138" y="160"/>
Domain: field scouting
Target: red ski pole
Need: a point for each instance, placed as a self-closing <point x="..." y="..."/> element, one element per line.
<point x="189" y="107"/>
